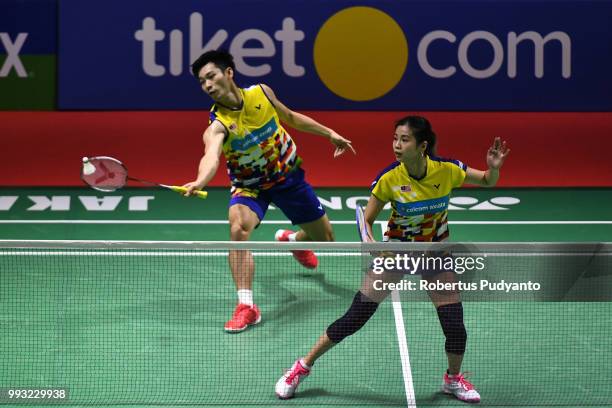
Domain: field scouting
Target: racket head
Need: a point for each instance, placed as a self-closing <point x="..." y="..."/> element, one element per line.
<point x="361" y="224"/>
<point x="109" y="174"/>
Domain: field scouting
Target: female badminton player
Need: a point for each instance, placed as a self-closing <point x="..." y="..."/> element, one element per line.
<point x="418" y="186"/>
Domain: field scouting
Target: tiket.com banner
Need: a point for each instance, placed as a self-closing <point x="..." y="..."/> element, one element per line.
<point x="377" y="55"/>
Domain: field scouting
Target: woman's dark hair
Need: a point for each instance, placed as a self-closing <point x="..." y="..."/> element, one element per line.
<point x="221" y="58"/>
<point x="421" y="130"/>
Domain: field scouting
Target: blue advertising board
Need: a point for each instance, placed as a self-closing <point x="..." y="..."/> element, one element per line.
<point x="28" y="42"/>
<point x="36" y="18"/>
<point x="345" y="55"/>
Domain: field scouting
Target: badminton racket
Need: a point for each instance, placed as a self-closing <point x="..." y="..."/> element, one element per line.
<point x="108" y="174"/>
<point x="361" y="224"/>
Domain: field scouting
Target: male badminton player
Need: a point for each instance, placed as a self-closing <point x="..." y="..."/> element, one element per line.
<point x="263" y="166"/>
<point x="418" y="186"/>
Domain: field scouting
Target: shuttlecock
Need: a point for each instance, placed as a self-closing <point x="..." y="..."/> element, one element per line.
<point x="88" y="168"/>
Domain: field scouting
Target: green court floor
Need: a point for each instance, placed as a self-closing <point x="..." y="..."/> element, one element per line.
<point x="153" y="214"/>
<point x="146" y="330"/>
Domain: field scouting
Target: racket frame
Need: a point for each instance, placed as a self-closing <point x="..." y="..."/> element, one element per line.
<point x="178" y="189"/>
<point x="361" y="224"/>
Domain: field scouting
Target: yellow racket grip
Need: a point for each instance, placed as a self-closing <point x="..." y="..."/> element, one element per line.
<point x="183" y="190"/>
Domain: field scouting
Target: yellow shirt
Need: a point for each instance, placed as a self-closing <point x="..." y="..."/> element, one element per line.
<point x="419" y="208"/>
<point x="258" y="150"/>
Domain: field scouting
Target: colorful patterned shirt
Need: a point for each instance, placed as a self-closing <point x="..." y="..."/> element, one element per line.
<point x="419" y="208"/>
<point x="258" y="150"/>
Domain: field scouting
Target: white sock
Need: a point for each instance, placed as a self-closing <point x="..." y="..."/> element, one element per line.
<point x="306" y="366"/>
<point x="292" y="237"/>
<point x="245" y="296"/>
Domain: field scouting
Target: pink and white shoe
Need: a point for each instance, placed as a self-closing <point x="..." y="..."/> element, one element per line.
<point x="460" y="388"/>
<point x="306" y="258"/>
<point x="243" y="317"/>
<point x="288" y="383"/>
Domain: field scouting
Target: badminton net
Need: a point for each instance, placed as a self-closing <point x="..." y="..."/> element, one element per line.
<point x="134" y="322"/>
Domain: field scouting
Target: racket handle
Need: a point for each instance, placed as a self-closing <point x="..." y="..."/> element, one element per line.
<point x="183" y="190"/>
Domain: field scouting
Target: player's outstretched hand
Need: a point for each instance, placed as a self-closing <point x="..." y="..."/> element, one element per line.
<point x="497" y="154"/>
<point x="341" y="144"/>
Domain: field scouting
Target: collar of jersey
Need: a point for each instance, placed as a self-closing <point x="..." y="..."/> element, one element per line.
<point x="234" y="109"/>
<point x="424" y="175"/>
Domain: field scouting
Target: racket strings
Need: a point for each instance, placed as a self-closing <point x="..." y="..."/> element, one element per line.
<point x="108" y="175"/>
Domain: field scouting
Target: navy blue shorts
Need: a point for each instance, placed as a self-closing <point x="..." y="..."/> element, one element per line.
<point x="293" y="196"/>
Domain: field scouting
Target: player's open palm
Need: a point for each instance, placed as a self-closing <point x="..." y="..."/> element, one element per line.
<point x="341" y="144"/>
<point x="496" y="155"/>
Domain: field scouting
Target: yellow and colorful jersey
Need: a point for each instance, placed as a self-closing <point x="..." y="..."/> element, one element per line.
<point x="419" y="208"/>
<point x="258" y="150"/>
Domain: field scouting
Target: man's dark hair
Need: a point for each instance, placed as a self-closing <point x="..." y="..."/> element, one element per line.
<point x="422" y="131"/>
<point x="221" y="58"/>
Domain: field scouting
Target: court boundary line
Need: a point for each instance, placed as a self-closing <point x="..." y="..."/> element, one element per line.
<point x="458" y="247"/>
<point x="94" y="252"/>
<point x="402" y="342"/>
<point x="285" y="222"/>
<point x="285" y="253"/>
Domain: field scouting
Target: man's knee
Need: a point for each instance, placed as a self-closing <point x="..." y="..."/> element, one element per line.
<point x="328" y="235"/>
<point x="239" y="232"/>
<point x="242" y="222"/>
<point x="321" y="230"/>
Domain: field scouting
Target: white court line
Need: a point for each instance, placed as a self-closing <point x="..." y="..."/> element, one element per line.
<point x="164" y="253"/>
<point x="284" y="253"/>
<point x="403" y="349"/>
<point x="585" y="222"/>
<point x="278" y="222"/>
<point x="402" y="343"/>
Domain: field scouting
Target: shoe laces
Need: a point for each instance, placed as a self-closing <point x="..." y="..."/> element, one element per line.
<point x="299" y="370"/>
<point x="240" y="311"/>
<point x="460" y="378"/>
